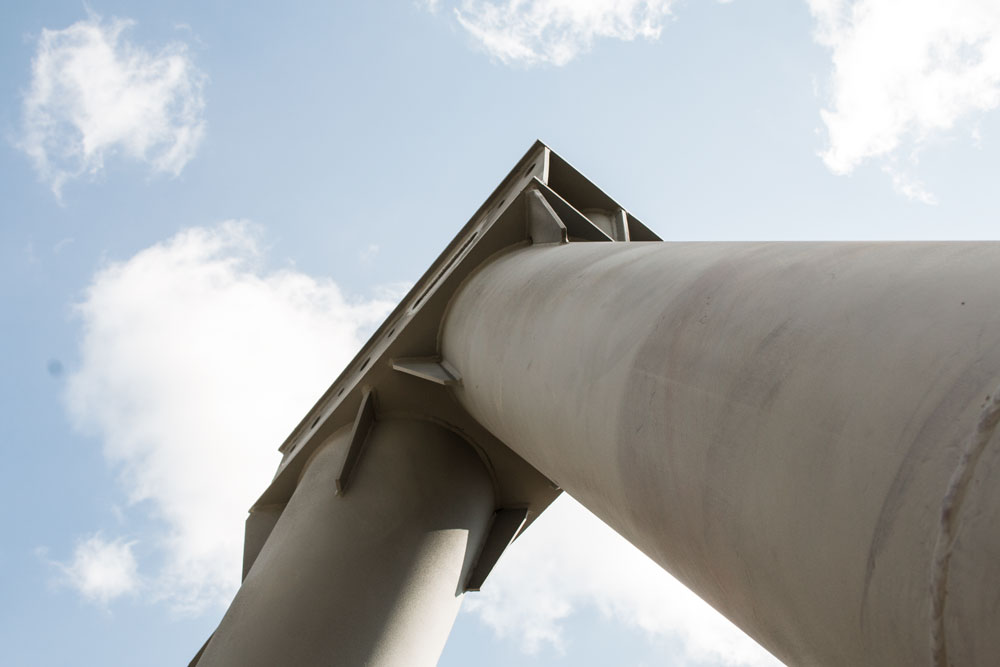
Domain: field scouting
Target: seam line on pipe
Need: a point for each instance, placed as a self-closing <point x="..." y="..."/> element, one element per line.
<point x="951" y="506"/>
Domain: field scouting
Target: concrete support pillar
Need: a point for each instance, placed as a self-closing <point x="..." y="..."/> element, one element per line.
<point x="803" y="433"/>
<point x="370" y="577"/>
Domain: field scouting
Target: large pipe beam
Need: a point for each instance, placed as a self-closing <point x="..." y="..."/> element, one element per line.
<point x="803" y="433"/>
<point x="371" y="574"/>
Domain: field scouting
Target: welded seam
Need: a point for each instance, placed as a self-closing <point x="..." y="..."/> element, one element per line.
<point x="951" y="507"/>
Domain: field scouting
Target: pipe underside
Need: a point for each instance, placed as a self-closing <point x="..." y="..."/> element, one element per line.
<point x="373" y="577"/>
<point x="802" y="433"/>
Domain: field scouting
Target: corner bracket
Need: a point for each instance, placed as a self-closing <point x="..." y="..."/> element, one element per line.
<point x="359" y="435"/>
<point x="507" y="524"/>
<point x="432" y="369"/>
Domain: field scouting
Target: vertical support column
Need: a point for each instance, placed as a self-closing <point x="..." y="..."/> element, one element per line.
<point x="371" y="577"/>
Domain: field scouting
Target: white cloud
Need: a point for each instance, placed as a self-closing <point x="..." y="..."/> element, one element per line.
<point x="531" y="32"/>
<point x="195" y="365"/>
<point x="94" y="94"/>
<point x="100" y="570"/>
<point x="903" y="71"/>
<point x="568" y="560"/>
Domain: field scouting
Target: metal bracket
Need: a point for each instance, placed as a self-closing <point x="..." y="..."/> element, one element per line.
<point x="432" y="369"/>
<point x="359" y="434"/>
<point x="507" y="523"/>
<point x="620" y="222"/>
<point x="544" y="225"/>
<point x="578" y="226"/>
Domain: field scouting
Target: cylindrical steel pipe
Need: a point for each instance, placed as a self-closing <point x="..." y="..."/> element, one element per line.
<point x="803" y="433"/>
<point x="373" y="577"/>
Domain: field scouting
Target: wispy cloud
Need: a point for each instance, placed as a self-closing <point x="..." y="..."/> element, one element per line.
<point x="908" y="186"/>
<point x="368" y="254"/>
<point x="101" y="570"/>
<point x="903" y="71"/>
<point x="195" y="365"/>
<point x="569" y="560"/>
<point x="532" y="32"/>
<point x="94" y="94"/>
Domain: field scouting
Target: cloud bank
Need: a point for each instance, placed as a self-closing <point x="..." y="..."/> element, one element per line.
<point x="195" y="365"/>
<point x="94" y="94"/>
<point x="532" y="32"/>
<point x="903" y="72"/>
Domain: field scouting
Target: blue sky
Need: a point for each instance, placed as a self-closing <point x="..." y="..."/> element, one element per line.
<point x="208" y="207"/>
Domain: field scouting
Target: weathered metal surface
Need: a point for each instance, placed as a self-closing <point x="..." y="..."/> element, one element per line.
<point x="803" y="433"/>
